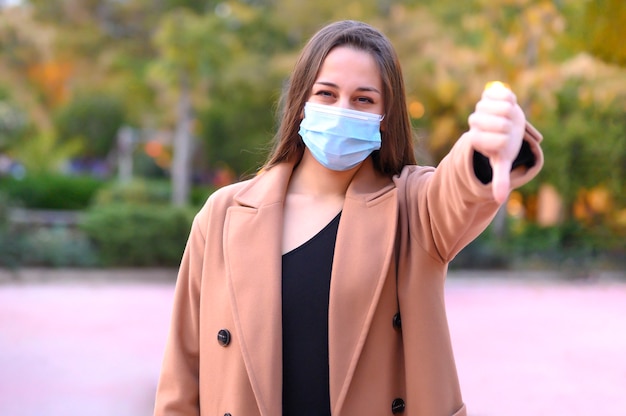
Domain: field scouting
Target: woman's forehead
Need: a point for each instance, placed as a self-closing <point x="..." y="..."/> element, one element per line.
<point x="345" y="64"/>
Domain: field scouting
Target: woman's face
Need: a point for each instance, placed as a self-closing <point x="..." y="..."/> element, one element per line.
<point x="349" y="78"/>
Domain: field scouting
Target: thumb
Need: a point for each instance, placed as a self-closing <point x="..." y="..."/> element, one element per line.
<point x="501" y="182"/>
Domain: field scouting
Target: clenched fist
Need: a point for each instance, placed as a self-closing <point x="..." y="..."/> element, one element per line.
<point x="496" y="130"/>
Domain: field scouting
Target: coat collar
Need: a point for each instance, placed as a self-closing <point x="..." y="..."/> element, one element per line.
<point x="270" y="185"/>
<point x="363" y="251"/>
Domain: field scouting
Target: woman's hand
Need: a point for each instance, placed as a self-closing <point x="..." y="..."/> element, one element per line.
<point x="496" y="130"/>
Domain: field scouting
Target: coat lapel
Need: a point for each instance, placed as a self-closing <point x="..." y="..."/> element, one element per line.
<point x="253" y="257"/>
<point x="363" y="252"/>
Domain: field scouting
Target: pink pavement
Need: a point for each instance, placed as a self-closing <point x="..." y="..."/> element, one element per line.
<point x="529" y="346"/>
<point x="525" y="344"/>
<point x="75" y="348"/>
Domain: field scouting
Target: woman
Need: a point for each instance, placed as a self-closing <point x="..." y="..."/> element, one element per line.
<point x="316" y="288"/>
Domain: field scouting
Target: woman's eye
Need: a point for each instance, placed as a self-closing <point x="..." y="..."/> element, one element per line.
<point x="365" y="100"/>
<point x="324" y="93"/>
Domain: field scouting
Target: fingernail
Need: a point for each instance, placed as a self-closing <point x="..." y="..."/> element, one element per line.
<point x="499" y="84"/>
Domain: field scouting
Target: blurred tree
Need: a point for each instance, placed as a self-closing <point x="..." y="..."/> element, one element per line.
<point x="588" y="146"/>
<point x="13" y="122"/>
<point x="237" y="131"/>
<point x="235" y="55"/>
<point x="226" y="70"/>
<point x="604" y="30"/>
<point x="457" y="48"/>
<point x="188" y="58"/>
<point x="24" y="44"/>
<point x="94" y="119"/>
<point x="302" y="18"/>
<point x="51" y="79"/>
<point x="42" y="153"/>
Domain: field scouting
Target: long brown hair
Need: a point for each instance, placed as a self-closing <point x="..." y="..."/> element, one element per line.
<point x="397" y="145"/>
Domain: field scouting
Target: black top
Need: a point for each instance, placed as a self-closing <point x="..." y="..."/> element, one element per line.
<point x="305" y="291"/>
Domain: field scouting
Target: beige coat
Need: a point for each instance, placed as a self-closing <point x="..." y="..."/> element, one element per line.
<point x="230" y="280"/>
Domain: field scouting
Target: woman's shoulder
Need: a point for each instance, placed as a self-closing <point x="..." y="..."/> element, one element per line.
<point x="258" y="187"/>
<point x="213" y="212"/>
<point x="413" y="172"/>
<point x="225" y="195"/>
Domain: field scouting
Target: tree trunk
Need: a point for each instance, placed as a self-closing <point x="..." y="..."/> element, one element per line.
<point x="183" y="141"/>
<point x="125" y="147"/>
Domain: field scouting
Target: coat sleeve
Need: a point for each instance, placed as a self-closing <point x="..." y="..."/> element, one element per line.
<point x="178" y="387"/>
<point x="450" y="206"/>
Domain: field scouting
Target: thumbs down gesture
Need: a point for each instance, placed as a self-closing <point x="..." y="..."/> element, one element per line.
<point x="496" y="130"/>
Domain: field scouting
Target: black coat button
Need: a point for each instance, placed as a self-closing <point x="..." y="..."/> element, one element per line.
<point x="223" y="337"/>
<point x="397" y="406"/>
<point x="397" y="321"/>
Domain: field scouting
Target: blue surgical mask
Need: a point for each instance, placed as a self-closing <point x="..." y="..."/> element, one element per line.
<point x="339" y="138"/>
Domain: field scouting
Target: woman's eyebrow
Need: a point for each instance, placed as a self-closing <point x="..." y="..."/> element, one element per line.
<point x="333" y="85"/>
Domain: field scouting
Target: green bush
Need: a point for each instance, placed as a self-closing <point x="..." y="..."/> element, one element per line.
<point x="571" y="243"/>
<point x="569" y="246"/>
<point x="485" y="253"/>
<point x="52" y="191"/>
<point x="5" y="205"/>
<point x="57" y="247"/>
<point x="10" y="242"/>
<point x="142" y="191"/>
<point x="137" y="191"/>
<point x="138" y="235"/>
<point x="12" y="248"/>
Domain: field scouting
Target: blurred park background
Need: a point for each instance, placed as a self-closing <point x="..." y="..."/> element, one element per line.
<point x="119" y="117"/>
